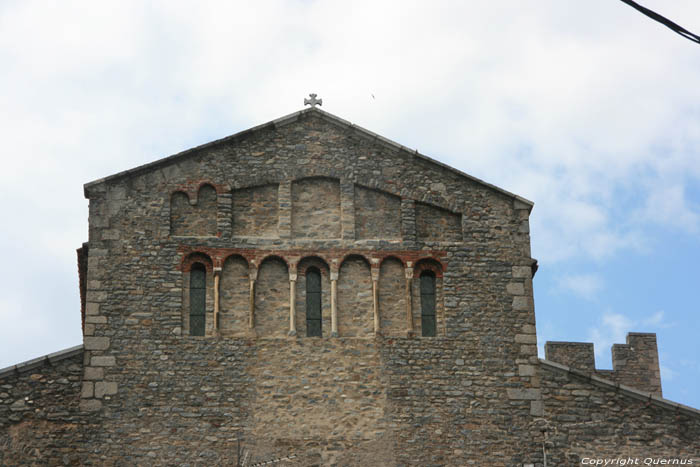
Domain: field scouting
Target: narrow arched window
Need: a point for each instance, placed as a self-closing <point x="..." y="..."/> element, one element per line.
<point x="198" y="283"/>
<point x="313" y="302"/>
<point x="427" y="303"/>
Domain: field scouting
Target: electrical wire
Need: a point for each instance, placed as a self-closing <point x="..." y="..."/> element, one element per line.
<point x="665" y="21"/>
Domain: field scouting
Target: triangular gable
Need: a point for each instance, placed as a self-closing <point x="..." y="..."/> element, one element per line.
<point x="283" y="121"/>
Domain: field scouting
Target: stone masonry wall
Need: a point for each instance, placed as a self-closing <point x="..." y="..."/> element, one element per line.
<point x="355" y="298"/>
<point x="40" y="422"/>
<point x="177" y="396"/>
<point x="587" y="420"/>
<point x="194" y="220"/>
<point x="255" y="212"/>
<point x="377" y="214"/>
<point x="316" y="208"/>
<point x="235" y="297"/>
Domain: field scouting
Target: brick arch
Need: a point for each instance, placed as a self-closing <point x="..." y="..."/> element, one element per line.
<point x="268" y="257"/>
<point x="308" y="261"/>
<point x="220" y="189"/>
<point x="228" y="256"/>
<point x="388" y="257"/>
<point x="354" y="255"/>
<point x="201" y="186"/>
<point x="428" y="264"/>
<point x="196" y="257"/>
<point x="194" y="214"/>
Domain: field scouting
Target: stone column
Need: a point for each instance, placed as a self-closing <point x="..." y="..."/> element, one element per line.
<point x="217" y="277"/>
<point x="409" y="297"/>
<point x="292" y="299"/>
<point x="375" y="299"/>
<point x="253" y="277"/>
<point x="334" y="301"/>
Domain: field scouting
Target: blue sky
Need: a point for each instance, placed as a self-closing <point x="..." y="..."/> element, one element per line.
<point x="589" y="109"/>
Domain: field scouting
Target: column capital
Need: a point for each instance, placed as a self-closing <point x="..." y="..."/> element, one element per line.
<point x="334" y="275"/>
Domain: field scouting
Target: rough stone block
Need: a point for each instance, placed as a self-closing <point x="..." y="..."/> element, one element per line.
<point x="88" y="390"/>
<point x="526" y="370"/>
<point x="92" y="308"/>
<point x="537" y="408"/>
<point x="105" y="388"/>
<point x="522" y="272"/>
<point x="521" y="303"/>
<point x="103" y="361"/>
<point x="92" y="373"/>
<point x="96" y="343"/>
<point x="515" y="288"/>
<point x="90" y="405"/>
<point x="526" y="338"/>
<point x="96" y="319"/>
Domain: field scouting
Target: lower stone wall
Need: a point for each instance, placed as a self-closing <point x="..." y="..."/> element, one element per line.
<point x="586" y="420"/>
<point x="337" y="401"/>
<point x="327" y="401"/>
<point x="40" y="423"/>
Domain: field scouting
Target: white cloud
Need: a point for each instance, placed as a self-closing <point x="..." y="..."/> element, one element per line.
<point x="613" y="328"/>
<point x="583" y="285"/>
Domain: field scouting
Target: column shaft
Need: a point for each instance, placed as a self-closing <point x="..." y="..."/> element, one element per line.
<point x="375" y="305"/>
<point x="292" y="307"/>
<point x="251" y="318"/>
<point x="334" y="308"/>
<point x="216" y="300"/>
<point x="409" y="304"/>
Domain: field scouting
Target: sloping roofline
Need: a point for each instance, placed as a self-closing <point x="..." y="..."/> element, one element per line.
<point x="287" y="119"/>
<point x="622" y="388"/>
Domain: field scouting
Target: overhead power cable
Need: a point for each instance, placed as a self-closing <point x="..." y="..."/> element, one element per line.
<point x="665" y="21"/>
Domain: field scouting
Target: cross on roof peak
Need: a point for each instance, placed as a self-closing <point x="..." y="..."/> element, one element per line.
<point x="313" y="102"/>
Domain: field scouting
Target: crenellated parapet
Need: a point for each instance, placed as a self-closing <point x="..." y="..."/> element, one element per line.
<point x="635" y="363"/>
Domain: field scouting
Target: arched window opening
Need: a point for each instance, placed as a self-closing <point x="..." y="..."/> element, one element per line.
<point x="313" y="302"/>
<point x="427" y="303"/>
<point x="198" y="283"/>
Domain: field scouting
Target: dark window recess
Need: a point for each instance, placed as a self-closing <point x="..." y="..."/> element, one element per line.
<point x="198" y="284"/>
<point x="313" y="303"/>
<point x="427" y="304"/>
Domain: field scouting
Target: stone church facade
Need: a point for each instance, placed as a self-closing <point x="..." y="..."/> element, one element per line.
<point x="309" y="289"/>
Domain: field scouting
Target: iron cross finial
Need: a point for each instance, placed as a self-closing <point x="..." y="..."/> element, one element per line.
<point x="313" y="102"/>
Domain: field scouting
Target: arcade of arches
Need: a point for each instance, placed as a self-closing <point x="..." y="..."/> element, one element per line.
<point x="233" y="294"/>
